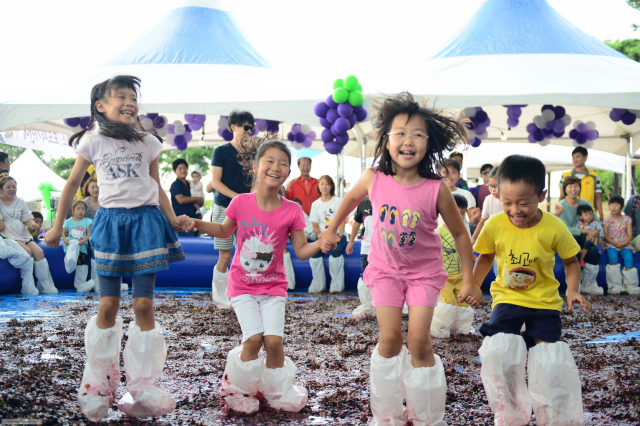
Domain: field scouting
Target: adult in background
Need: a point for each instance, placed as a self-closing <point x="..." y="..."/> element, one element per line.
<point x="304" y="188"/>
<point x="591" y="190"/>
<point x="181" y="199"/>
<point x="5" y="163"/>
<point x="481" y="191"/>
<point x="228" y="180"/>
<point x="567" y="211"/>
<point x="457" y="156"/>
<point x="631" y="209"/>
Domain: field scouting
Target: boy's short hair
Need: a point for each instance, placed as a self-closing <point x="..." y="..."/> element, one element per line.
<point x="486" y="166"/>
<point x="461" y="202"/>
<point x="239" y="118"/>
<point x="448" y="163"/>
<point x="494" y="171"/>
<point x="616" y="199"/>
<point x="37" y="215"/>
<point x="179" y="161"/>
<point x="581" y="150"/>
<point x="456" y="154"/>
<point x="570" y="180"/>
<point x="584" y="208"/>
<point x="522" y="168"/>
<point x="297" y="200"/>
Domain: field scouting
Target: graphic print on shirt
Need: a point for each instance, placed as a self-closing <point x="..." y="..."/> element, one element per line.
<point x="77" y="232"/>
<point x="328" y="214"/>
<point x="256" y="254"/>
<point x="120" y="164"/>
<point x="520" y="277"/>
<point x="409" y="219"/>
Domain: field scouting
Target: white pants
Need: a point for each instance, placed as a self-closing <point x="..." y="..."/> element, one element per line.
<point x="260" y="314"/>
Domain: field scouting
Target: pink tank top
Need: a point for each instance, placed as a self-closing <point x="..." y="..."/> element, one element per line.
<point x="404" y="240"/>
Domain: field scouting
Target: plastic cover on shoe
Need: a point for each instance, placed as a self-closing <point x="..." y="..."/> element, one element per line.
<point x="80" y="280"/>
<point x="387" y="389"/>
<point x="366" y="303"/>
<point x="588" y="284"/>
<point x="554" y="385"/>
<point x="319" y="282"/>
<point x="219" y="289"/>
<point x="241" y="382"/>
<point x="614" y="279"/>
<point x="278" y="388"/>
<point x="101" y="376"/>
<point x="631" y="281"/>
<point x="289" y="271"/>
<point x="19" y="259"/>
<point x="144" y="357"/>
<point x="444" y="315"/>
<point x="503" y="358"/>
<point x="71" y="256"/>
<point x="463" y="321"/>
<point x="45" y="282"/>
<point x="336" y="270"/>
<point x="426" y="394"/>
<point x="94" y="276"/>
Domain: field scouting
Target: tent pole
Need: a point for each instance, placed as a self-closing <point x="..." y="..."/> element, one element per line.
<point x="627" y="192"/>
<point x="549" y="192"/>
<point x="340" y="172"/>
<point x="363" y="155"/>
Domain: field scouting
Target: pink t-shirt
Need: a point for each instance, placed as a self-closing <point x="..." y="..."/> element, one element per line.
<point x="258" y="264"/>
<point x="404" y="241"/>
<point x="123" y="170"/>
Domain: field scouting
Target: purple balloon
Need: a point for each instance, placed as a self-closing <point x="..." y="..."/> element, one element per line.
<point x="531" y="127"/>
<point x="617" y="113"/>
<point x="273" y="127"/>
<point x="182" y="147"/>
<point x="514" y="112"/>
<point x="171" y="128"/>
<point x="195" y="125"/>
<point x="220" y="132"/>
<point x="474" y="122"/>
<point x="345" y="109"/>
<point x="300" y="137"/>
<point x="72" y="122"/>
<point x="311" y="135"/>
<point x="295" y="129"/>
<point x="628" y="118"/>
<point x="362" y="114"/>
<point x="326" y="136"/>
<point x="560" y="111"/>
<point x="179" y="140"/>
<point x="188" y="136"/>
<point x="481" y="116"/>
<point x="141" y="117"/>
<point x="320" y="109"/>
<point x="152" y="115"/>
<point x="558" y="134"/>
<point x="558" y="126"/>
<point x="325" y="123"/>
<point x="307" y="143"/>
<point x="352" y="120"/>
<point x="333" y="147"/>
<point x="487" y="123"/>
<point x="291" y="137"/>
<point x="342" y="139"/>
<point x="548" y="107"/>
<point x="547" y="132"/>
<point x="332" y="115"/>
<point x="330" y="102"/>
<point x="597" y="134"/>
<point x="549" y="125"/>
<point x="513" y="122"/>
<point x="592" y="135"/>
<point x="581" y="138"/>
<point x="573" y="133"/>
<point x="261" y="124"/>
<point x="482" y="127"/>
<point x="538" y="135"/>
<point x="475" y="142"/>
<point x="189" y="117"/>
<point x="84" y="122"/>
<point x="227" y="135"/>
<point x="358" y="109"/>
<point x="531" y="138"/>
<point x="200" y="118"/>
<point x="158" y="122"/>
<point x="582" y="128"/>
<point x="342" y="125"/>
<point x="187" y="128"/>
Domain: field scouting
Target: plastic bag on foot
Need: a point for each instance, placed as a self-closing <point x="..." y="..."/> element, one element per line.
<point x="387" y="389"/>
<point x="241" y="382"/>
<point x="444" y="315"/>
<point x="278" y="388"/>
<point x="631" y="281"/>
<point x="463" y="321"/>
<point x="426" y="394"/>
<point x="588" y="284"/>
<point x="366" y="303"/>
<point x="219" y="289"/>
<point x="319" y="281"/>
<point x="71" y="256"/>
<point x="336" y="270"/>
<point x="614" y="279"/>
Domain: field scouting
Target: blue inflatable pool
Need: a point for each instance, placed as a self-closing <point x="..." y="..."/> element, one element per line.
<point x="197" y="269"/>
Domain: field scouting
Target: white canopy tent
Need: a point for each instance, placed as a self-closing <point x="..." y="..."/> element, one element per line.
<point x="29" y="172"/>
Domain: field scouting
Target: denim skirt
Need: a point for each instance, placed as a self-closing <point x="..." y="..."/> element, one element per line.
<point x="130" y="242"/>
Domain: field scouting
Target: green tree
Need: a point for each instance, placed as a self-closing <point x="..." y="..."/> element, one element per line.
<point x="629" y="47"/>
<point x="61" y="166"/>
<point x="636" y="5"/>
<point x="199" y="156"/>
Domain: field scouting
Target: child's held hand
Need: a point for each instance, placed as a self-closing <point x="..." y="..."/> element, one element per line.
<point x="325" y="246"/>
<point x="474" y="214"/>
<point x="331" y="237"/>
<point x="349" y="248"/>
<point x="32" y="225"/>
<point x="52" y="238"/>
<point x="471" y="295"/>
<point x="574" y="296"/>
<point x="184" y="223"/>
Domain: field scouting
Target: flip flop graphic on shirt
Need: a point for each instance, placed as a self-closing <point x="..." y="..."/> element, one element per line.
<point x="393" y="215"/>
<point x="414" y="219"/>
<point x="403" y="239"/>
<point x="406" y="214"/>
<point x="391" y="237"/>
<point x="383" y="212"/>
<point x="412" y="238"/>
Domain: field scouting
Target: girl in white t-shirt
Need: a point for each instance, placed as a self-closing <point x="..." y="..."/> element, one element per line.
<point x="322" y="212"/>
<point x="492" y="204"/>
<point x="133" y="234"/>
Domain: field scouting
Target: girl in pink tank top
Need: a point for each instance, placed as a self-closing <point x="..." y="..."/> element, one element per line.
<point x="405" y="259"/>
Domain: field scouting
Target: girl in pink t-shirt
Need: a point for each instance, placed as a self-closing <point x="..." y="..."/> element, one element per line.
<point x="405" y="258"/>
<point x="133" y="234"/>
<point x="257" y="283"/>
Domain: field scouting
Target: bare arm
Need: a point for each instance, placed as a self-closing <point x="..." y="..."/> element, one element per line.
<point x="303" y="249"/>
<point x="86" y="237"/>
<point x="64" y="236"/>
<point x="559" y="210"/>
<point x="316" y="228"/>
<point x="474" y="237"/>
<point x="607" y="238"/>
<point x="218" y="230"/>
<point x="599" y="205"/>
<point x="183" y="199"/>
<point x="216" y="183"/>
<point x="629" y="234"/>
<point x="1" y="225"/>
<point x="209" y="187"/>
<point x="341" y="229"/>
<point x="572" y="274"/>
<point x="352" y="238"/>
<point x="482" y="268"/>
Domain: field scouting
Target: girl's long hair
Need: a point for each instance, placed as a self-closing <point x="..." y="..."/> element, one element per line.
<point x="112" y="129"/>
<point x="253" y="148"/>
<point x="444" y="132"/>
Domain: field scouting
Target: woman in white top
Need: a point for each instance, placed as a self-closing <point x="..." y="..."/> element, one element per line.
<point x="322" y="212"/>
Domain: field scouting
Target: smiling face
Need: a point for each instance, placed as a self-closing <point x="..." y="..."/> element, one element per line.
<point x="407" y="154"/>
<point x="94" y="190"/>
<point x="325" y="187"/>
<point x="273" y="168"/>
<point x="79" y="211"/>
<point x="615" y="208"/>
<point x="493" y="187"/>
<point x="9" y="189"/>
<point x="450" y="176"/>
<point x="578" y="160"/>
<point x="305" y="167"/>
<point x="182" y="171"/>
<point x="573" y="190"/>
<point x="121" y="106"/>
<point x="520" y="203"/>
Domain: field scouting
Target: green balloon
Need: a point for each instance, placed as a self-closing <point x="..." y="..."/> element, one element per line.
<point x="355" y="98"/>
<point x="45" y="191"/>
<point x="359" y="88"/>
<point x="351" y="83"/>
<point x="341" y="95"/>
<point x="338" y="83"/>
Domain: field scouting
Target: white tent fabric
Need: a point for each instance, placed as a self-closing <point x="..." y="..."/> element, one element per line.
<point x="29" y="172"/>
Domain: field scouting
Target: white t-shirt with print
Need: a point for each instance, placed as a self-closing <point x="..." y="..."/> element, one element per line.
<point x="123" y="169"/>
<point x="491" y="206"/>
<point x="323" y="213"/>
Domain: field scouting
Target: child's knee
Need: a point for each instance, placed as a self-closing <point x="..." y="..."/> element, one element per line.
<point x="109" y="306"/>
<point x="36" y="252"/>
<point x="390" y="344"/>
<point x="142" y="306"/>
<point x="273" y="344"/>
<point x="254" y="343"/>
<point x="27" y="249"/>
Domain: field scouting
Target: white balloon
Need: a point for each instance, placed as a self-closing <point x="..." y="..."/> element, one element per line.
<point x="162" y="132"/>
<point x="472" y="133"/>
<point x="76" y="129"/>
<point x="469" y="112"/>
<point x="177" y="123"/>
<point x="575" y="123"/>
<point x="179" y="130"/>
<point x="566" y="119"/>
<point x="539" y="121"/>
<point x="588" y="144"/>
<point x="548" y="115"/>
<point x="305" y="129"/>
<point x="591" y="125"/>
<point x="636" y="112"/>
<point x="170" y="137"/>
<point x="297" y="145"/>
<point x="482" y="136"/>
<point x="223" y="123"/>
<point x="147" y="124"/>
<point x="544" y="142"/>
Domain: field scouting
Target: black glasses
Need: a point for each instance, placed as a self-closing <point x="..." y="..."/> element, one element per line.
<point x="248" y="128"/>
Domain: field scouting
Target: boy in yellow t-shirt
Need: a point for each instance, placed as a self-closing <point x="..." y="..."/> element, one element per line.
<point x="525" y="240"/>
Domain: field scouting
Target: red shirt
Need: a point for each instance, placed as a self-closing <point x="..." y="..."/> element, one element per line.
<point x="304" y="190"/>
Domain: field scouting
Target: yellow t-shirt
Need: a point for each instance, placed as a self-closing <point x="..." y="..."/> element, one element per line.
<point x="525" y="260"/>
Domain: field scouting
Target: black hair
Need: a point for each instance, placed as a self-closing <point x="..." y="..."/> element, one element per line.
<point x="444" y="132"/>
<point x="447" y="163"/>
<point x="297" y="200"/>
<point x="456" y="154"/>
<point x="330" y="181"/>
<point x="253" y="148"/>
<point x="3" y="156"/>
<point x="75" y="203"/>
<point x="195" y="171"/>
<point x="522" y="168"/>
<point x="580" y="150"/>
<point x="4" y="178"/>
<point x="585" y="208"/>
<point x="486" y="166"/>
<point x="239" y="118"/>
<point x="494" y="171"/>
<point x="617" y="200"/>
<point x="304" y="158"/>
<point x="108" y="128"/>
<point x="179" y="161"/>
<point x="37" y="215"/>
<point x="4" y="171"/>
<point x="461" y="202"/>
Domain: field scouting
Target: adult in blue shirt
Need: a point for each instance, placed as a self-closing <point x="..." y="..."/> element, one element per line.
<point x="181" y="199"/>
<point x="228" y="180"/>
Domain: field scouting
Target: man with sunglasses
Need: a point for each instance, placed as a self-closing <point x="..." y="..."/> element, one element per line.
<point x="228" y="180"/>
<point x="481" y="191"/>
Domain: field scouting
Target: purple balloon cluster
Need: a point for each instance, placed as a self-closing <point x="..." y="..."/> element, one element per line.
<point x="477" y="126"/>
<point x="223" y="128"/>
<point x="627" y="116"/>
<point x="79" y="123"/>
<point x="154" y="122"/>
<point x="271" y="126"/>
<point x="513" y="114"/>
<point x="301" y="136"/>
<point x="337" y="119"/>
<point x="179" y="135"/>
<point x="584" y="133"/>
<point x="549" y="124"/>
<point x="195" y="121"/>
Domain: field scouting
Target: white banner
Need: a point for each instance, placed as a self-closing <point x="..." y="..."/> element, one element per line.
<point x="38" y="140"/>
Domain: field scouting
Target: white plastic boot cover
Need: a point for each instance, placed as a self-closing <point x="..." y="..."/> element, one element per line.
<point x="554" y="385"/>
<point x="463" y="321"/>
<point x="630" y="281"/>
<point x="124" y="286"/>
<point x="366" y="303"/>
<point x="278" y="388"/>
<point x="94" y="276"/>
<point x="503" y="359"/>
<point x="288" y="269"/>
<point x="45" y="284"/>
<point x="80" y="280"/>
<point x="71" y="256"/>
<point x="101" y="375"/>
<point x="219" y="289"/>
<point x="405" y="309"/>
<point x="588" y="284"/>
<point x="444" y="315"/>
<point x="426" y="394"/>
<point x="241" y="382"/>
<point x="387" y="389"/>
<point x="336" y="270"/>
<point x="144" y="357"/>
<point x="319" y="281"/>
<point x="614" y="279"/>
<point x="19" y="259"/>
